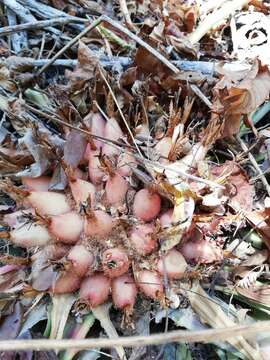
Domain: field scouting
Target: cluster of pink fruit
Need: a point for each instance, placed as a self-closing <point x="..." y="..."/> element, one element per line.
<point x="81" y="226"/>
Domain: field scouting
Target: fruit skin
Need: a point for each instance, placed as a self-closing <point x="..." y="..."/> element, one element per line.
<point x="150" y="284"/>
<point x="166" y="218"/>
<point x="175" y="264"/>
<point x="116" y="189"/>
<point x="81" y="190"/>
<point x="201" y="252"/>
<point x="112" y="132"/>
<point x="49" y="202"/>
<point x="124" y="291"/>
<point x="115" y="262"/>
<point x="81" y="260"/>
<point x="29" y="235"/>
<point x="40" y="183"/>
<point x="146" y="205"/>
<point x="67" y="282"/>
<point x="67" y="227"/>
<point x="95" y="289"/>
<point x="99" y="224"/>
<point x="96" y="174"/>
<point x="142" y="239"/>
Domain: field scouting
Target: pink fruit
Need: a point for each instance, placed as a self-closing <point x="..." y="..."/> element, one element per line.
<point x="99" y="223"/>
<point x="146" y="205"/>
<point x="150" y="283"/>
<point x="67" y="227"/>
<point x="81" y="190"/>
<point x="166" y="218"/>
<point x="142" y="239"/>
<point x="81" y="259"/>
<point x="173" y="264"/>
<point x="67" y="282"/>
<point x="95" y="289"/>
<point x="116" y="189"/>
<point x="115" y="262"/>
<point x="49" y="202"/>
<point x="124" y="292"/>
<point x="40" y="183"/>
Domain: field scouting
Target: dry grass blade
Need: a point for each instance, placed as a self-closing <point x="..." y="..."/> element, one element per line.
<point x="207" y="336"/>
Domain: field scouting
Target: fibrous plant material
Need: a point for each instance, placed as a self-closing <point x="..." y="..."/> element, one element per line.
<point x="129" y="170"/>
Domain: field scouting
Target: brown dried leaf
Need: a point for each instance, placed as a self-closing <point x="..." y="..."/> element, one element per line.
<point x="260" y="221"/>
<point x="85" y="70"/>
<point x="258" y="293"/>
<point x="238" y="188"/>
<point x="235" y="97"/>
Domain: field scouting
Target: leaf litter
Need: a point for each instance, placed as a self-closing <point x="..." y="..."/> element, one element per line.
<point x="134" y="163"/>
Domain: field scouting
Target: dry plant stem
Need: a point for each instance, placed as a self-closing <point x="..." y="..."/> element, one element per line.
<point x="203" y="67"/>
<point x="124" y="9"/>
<point x="22" y="12"/>
<point x="255" y="164"/>
<point x="183" y="174"/>
<point x="206" y="336"/>
<point x="6" y="30"/>
<point x="212" y="20"/>
<point x="118" y="27"/>
<point x="44" y="11"/>
<point x="18" y="40"/>
<point x="201" y="95"/>
<point x="56" y="120"/>
<point x="120" y="111"/>
<point x="120" y="146"/>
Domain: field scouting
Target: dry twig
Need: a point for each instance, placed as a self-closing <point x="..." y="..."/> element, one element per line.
<point x="206" y="336"/>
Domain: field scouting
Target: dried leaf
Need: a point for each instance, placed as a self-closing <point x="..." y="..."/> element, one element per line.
<point x="235" y="97"/>
<point x="260" y="220"/>
<point x="10" y="325"/>
<point x="258" y="293"/>
<point x="101" y="313"/>
<point x="238" y="189"/>
<point x="251" y="36"/>
<point x="85" y="70"/>
<point x="61" y="305"/>
<point x="212" y="314"/>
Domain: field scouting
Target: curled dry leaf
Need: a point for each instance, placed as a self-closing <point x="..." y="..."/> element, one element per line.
<point x="258" y="293"/>
<point x="235" y="96"/>
<point x="261" y="223"/>
<point x="85" y="70"/>
<point x="212" y="314"/>
<point x="238" y="189"/>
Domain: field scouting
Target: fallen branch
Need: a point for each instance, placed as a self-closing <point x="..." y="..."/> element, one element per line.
<point x="207" y="336"/>
<point x="45" y="11"/>
<point x="119" y="27"/>
<point x="18" y="40"/>
<point x="22" y="12"/>
<point x="203" y="67"/>
<point x="6" y="30"/>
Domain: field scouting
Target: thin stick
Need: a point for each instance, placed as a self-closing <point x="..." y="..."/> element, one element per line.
<point x="255" y="164"/>
<point x="88" y="133"/>
<point x="124" y="9"/>
<point x="120" y="111"/>
<point x="121" y="145"/>
<point x="23" y="13"/>
<point x="206" y="336"/>
<point x="201" y="95"/>
<point x="118" y="27"/>
<point x="69" y="44"/>
<point x="6" y="30"/>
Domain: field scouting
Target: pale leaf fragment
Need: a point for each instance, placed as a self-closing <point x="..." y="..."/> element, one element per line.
<point x="212" y="314"/>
